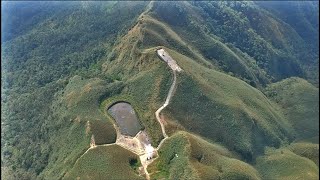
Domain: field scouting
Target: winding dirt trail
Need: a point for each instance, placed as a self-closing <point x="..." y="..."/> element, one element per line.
<point x="174" y="67"/>
<point x="143" y="154"/>
<point x="170" y="93"/>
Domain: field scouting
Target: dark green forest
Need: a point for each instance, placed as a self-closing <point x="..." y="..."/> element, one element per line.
<point x="44" y="44"/>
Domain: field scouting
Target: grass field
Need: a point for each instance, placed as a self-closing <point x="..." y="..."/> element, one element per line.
<point x="218" y="107"/>
<point x="105" y="162"/>
<point x="173" y="161"/>
<point x="299" y="101"/>
<point x="226" y="110"/>
<point x="284" y="164"/>
<point x="145" y="90"/>
<point x="64" y="64"/>
<point x="307" y="150"/>
<point x="186" y="156"/>
<point x="82" y="98"/>
<point x="78" y="118"/>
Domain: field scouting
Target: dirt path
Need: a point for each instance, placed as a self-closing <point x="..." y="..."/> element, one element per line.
<point x="166" y="104"/>
<point x="174" y="67"/>
<point x="125" y="142"/>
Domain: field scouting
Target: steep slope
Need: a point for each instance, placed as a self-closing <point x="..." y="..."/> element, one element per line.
<point x="37" y="62"/>
<point x="303" y="18"/>
<point x="210" y="46"/>
<point x="242" y="25"/>
<point x="307" y="150"/>
<point x="226" y="109"/>
<point x="89" y="54"/>
<point x="185" y="156"/>
<point x="300" y="103"/>
<point x="197" y="92"/>
<point x="284" y="164"/>
<point x="112" y="162"/>
<point x="76" y="119"/>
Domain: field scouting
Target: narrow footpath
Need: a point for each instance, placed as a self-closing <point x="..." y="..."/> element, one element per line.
<point x="144" y="152"/>
<point x="174" y="67"/>
<point x="166" y="104"/>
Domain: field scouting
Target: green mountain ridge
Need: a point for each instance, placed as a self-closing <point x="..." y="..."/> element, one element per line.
<point x="245" y="105"/>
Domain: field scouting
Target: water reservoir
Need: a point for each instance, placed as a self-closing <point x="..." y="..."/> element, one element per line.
<point x="126" y="118"/>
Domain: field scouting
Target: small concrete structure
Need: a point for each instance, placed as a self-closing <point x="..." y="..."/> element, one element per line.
<point x="168" y="59"/>
<point x="150" y="151"/>
<point x="92" y="142"/>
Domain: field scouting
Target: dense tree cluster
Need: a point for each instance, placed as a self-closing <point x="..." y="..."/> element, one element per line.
<point x="44" y="44"/>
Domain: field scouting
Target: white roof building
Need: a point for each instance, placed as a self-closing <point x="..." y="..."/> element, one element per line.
<point x="149" y="151"/>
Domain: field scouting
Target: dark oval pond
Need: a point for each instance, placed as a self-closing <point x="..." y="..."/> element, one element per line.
<point x="126" y="118"/>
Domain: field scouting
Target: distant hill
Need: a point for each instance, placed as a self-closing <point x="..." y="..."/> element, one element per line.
<point x="300" y="103"/>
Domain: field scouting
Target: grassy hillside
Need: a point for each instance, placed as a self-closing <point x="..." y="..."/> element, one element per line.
<point x="81" y="100"/>
<point x="303" y="19"/>
<point x="63" y="63"/>
<point x="268" y="120"/>
<point x="168" y="165"/>
<point x="205" y="49"/>
<point x="37" y="59"/>
<point x="205" y="155"/>
<point x="225" y="109"/>
<point x="145" y="91"/>
<point x="77" y="118"/>
<point x="185" y="156"/>
<point x="300" y="103"/>
<point x="274" y="46"/>
<point x="105" y="162"/>
<point x="307" y="150"/>
<point x="284" y="164"/>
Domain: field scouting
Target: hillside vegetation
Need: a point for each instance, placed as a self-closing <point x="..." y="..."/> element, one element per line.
<point x="242" y="25"/>
<point x="185" y="156"/>
<point x="38" y="59"/>
<point x="225" y="109"/>
<point x="307" y="150"/>
<point x="105" y="162"/>
<point x="284" y="164"/>
<point x="245" y="106"/>
<point x="300" y="103"/>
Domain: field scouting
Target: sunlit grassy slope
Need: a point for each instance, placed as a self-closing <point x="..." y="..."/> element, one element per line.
<point x="105" y="162"/>
<point x="216" y="29"/>
<point x="81" y="98"/>
<point x="284" y="164"/>
<point x="145" y="89"/>
<point x="307" y="150"/>
<point x="185" y="156"/>
<point x="227" y="56"/>
<point x="225" y="109"/>
<point x="78" y="118"/>
<point x="188" y="156"/>
<point x="207" y="102"/>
